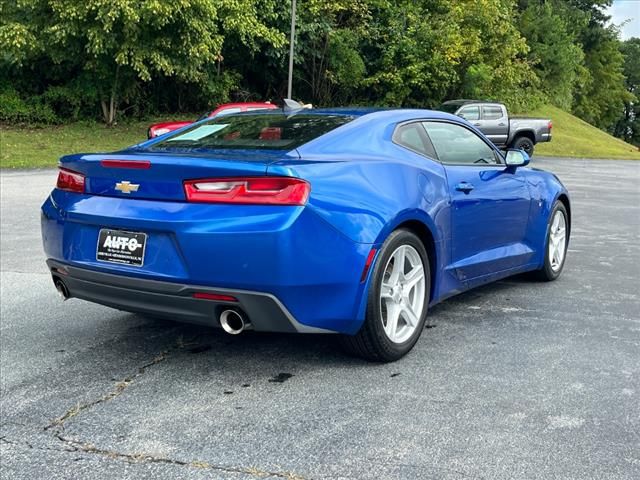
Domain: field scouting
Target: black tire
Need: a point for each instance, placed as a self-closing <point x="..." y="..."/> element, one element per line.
<point x="524" y="143"/>
<point x="546" y="273"/>
<point x="371" y="342"/>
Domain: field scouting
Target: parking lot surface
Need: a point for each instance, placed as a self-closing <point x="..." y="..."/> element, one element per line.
<point x="515" y="380"/>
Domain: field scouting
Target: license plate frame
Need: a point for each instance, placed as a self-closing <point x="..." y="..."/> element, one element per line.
<point x="121" y="246"/>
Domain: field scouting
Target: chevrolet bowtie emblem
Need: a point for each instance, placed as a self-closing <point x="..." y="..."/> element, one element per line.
<point x="127" y="187"/>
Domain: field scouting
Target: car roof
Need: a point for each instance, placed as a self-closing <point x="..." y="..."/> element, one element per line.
<point x="368" y="134"/>
<point x="387" y="113"/>
<point x="465" y="101"/>
<point x="246" y="104"/>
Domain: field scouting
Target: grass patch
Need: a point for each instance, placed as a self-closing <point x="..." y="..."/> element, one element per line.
<point x="33" y="147"/>
<point x="573" y="137"/>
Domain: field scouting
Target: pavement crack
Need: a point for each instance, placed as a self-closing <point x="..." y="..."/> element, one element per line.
<point x="118" y="389"/>
<point x="84" y="447"/>
<point x="72" y="445"/>
<point x="32" y="446"/>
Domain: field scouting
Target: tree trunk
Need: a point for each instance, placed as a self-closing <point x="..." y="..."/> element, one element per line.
<point x="109" y="110"/>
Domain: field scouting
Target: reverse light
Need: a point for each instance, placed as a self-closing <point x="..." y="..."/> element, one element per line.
<point x="250" y="190"/>
<point x="70" y="181"/>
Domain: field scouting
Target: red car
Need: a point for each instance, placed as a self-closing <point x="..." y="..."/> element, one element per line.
<point x="158" y="129"/>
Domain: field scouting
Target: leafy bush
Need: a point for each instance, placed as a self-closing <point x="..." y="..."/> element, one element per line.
<point x="15" y="110"/>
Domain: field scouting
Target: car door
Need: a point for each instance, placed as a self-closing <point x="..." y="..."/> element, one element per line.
<point x="489" y="203"/>
<point x="494" y="123"/>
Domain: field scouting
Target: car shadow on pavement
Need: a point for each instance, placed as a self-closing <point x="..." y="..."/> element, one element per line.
<point x="213" y="344"/>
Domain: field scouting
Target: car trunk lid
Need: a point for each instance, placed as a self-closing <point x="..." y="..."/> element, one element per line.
<point x="160" y="176"/>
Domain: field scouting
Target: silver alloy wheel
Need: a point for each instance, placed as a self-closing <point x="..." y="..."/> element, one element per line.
<point x="557" y="240"/>
<point x="402" y="293"/>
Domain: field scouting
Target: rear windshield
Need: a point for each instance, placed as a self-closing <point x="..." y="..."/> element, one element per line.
<point x="275" y="131"/>
<point x="449" y="107"/>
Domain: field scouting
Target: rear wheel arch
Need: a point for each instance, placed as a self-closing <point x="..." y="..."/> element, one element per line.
<point x="525" y="133"/>
<point x="567" y="205"/>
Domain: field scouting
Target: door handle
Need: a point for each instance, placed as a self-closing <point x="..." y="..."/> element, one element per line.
<point x="465" y="187"/>
<point x="501" y="124"/>
<point x="476" y="124"/>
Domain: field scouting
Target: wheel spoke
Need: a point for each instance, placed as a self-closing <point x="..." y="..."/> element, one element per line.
<point x="393" y="313"/>
<point x="398" y="265"/>
<point x="385" y="290"/>
<point x="556" y="256"/>
<point x="414" y="276"/>
<point x="409" y="316"/>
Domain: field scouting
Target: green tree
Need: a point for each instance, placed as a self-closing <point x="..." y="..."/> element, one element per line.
<point x="600" y="99"/>
<point x="554" y="52"/>
<point x="628" y="127"/>
<point x="420" y="53"/>
<point x="113" y="45"/>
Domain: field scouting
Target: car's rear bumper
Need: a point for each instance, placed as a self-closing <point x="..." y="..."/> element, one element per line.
<point x="175" y="301"/>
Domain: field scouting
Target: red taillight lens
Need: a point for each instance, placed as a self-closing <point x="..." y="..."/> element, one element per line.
<point x="70" y="181"/>
<point x="550" y="125"/>
<point x="254" y="190"/>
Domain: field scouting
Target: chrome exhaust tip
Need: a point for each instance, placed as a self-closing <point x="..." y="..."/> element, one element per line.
<point x="62" y="289"/>
<point x="232" y="322"/>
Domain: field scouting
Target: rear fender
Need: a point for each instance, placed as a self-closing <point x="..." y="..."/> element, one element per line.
<point x="437" y="264"/>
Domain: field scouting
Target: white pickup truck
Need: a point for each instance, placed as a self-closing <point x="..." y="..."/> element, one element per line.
<point x="493" y="120"/>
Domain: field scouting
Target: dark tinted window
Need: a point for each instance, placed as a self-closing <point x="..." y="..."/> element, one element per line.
<point x="258" y="131"/>
<point x="412" y="136"/>
<point x="491" y="113"/>
<point x="470" y="113"/>
<point x="449" y="107"/>
<point x="457" y="145"/>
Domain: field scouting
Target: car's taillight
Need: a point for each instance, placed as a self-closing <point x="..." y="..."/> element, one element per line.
<point x="550" y="125"/>
<point x="156" y="132"/>
<point x="251" y="190"/>
<point x="70" y="181"/>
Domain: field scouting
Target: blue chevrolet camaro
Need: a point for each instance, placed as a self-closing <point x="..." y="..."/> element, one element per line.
<point x="348" y="221"/>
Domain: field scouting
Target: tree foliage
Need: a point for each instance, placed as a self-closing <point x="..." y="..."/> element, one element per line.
<point x="112" y="47"/>
<point x="64" y="59"/>
<point x="628" y="126"/>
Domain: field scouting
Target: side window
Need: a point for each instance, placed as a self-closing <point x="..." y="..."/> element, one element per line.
<point x="413" y="137"/>
<point x="491" y="112"/>
<point x="470" y="113"/>
<point x="456" y="145"/>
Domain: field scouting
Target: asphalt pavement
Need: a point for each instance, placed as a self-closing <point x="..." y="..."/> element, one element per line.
<point x="516" y="380"/>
